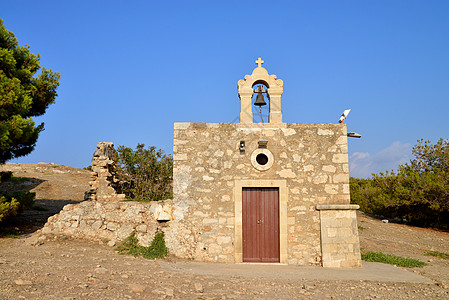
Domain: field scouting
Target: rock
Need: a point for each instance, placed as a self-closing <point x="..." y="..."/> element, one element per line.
<point x="163" y="212"/>
<point x="111" y="243"/>
<point x="385" y="221"/>
<point x="101" y="270"/>
<point x="442" y="285"/>
<point x="199" y="287"/>
<point x="169" y="292"/>
<point x="22" y="282"/>
<point x="137" y="288"/>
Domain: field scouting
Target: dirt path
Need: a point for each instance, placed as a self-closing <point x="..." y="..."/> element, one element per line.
<point x="62" y="268"/>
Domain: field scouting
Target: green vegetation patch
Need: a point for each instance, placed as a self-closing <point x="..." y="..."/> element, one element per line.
<point x="393" y="260"/>
<point x="437" y="254"/>
<point x="146" y="174"/>
<point x="6" y="233"/>
<point x="415" y="194"/>
<point x="157" y="249"/>
<point x="361" y="228"/>
<point x="12" y="205"/>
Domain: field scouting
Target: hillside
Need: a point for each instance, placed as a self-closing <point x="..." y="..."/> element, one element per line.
<point x="65" y="268"/>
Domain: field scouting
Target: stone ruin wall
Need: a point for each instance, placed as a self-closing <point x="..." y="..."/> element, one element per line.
<point x="113" y="222"/>
<point x="104" y="181"/>
<point x="104" y="217"/>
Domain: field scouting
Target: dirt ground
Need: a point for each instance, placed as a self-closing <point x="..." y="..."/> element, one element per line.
<point x="62" y="268"/>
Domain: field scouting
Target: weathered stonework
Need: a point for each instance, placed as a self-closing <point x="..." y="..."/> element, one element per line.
<point x="105" y="218"/>
<point x="104" y="180"/>
<point x="339" y="238"/>
<point x="307" y="162"/>
<point x="113" y="222"/>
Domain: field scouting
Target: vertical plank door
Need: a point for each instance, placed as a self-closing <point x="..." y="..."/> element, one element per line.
<point x="260" y="213"/>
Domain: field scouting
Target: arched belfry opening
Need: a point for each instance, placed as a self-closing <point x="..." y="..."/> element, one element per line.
<point x="273" y="90"/>
<point x="260" y="103"/>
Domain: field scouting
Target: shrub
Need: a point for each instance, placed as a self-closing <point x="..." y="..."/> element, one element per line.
<point x="11" y="205"/>
<point x="157" y="249"/>
<point x="392" y="260"/>
<point x="130" y="246"/>
<point x="8" y="207"/>
<point x="145" y="174"/>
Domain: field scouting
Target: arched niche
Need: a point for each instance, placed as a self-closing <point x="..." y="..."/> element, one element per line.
<point x="274" y="92"/>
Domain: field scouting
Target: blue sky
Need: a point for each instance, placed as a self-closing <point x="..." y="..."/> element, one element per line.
<point x="130" y="69"/>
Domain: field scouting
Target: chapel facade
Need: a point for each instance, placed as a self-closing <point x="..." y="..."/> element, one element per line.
<point x="265" y="192"/>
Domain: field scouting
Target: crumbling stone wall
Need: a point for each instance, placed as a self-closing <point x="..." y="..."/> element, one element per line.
<point x="113" y="222"/>
<point x="104" y="217"/>
<point x="104" y="182"/>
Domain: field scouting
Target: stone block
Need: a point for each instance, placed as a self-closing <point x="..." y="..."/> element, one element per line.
<point x="325" y="132"/>
<point x="331" y="189"/>
<point x="142" y="228"/>
<point x="329" y="168"/>
<point x="341" y="178"/>
<point x="181" y="126"/>
<point x="340" y="158"/>
<point x="163" y="212"/>
<point x="286" y="173"/>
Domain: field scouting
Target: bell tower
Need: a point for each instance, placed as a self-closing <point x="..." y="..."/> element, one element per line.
<point x="275" y="88"/>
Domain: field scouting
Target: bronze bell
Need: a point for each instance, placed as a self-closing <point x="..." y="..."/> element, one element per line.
<point x="259" y="100"/>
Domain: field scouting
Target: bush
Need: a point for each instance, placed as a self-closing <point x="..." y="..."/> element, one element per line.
<point x="8" y="208"/>
<point x="145" y="174"/>
<point x="157" y="249"/>
<point x="418" y="192"/>
<point x="12" y="205"/>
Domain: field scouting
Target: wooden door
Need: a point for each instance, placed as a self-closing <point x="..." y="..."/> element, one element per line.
<point x="260" y="217"/>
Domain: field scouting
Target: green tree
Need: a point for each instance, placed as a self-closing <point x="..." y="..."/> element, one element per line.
<point x="23" y="95"/>
<point x="418" y="191"/>
<point x="145" y="174"/>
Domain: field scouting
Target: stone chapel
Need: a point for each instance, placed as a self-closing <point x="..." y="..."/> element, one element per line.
<point x="265" y="192"/>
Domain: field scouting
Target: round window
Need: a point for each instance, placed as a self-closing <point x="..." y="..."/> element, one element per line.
<point x="262" y="159"/>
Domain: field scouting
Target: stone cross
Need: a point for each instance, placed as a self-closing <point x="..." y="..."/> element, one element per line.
<point x="259" y="62"/>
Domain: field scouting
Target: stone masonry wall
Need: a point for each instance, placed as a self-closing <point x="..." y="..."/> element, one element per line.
<point x="113" y="222"/>
<point x="339" y="236"/>
<point x="312" y="158"/>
